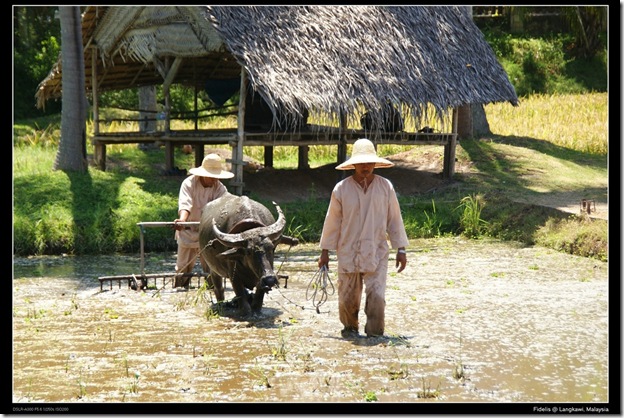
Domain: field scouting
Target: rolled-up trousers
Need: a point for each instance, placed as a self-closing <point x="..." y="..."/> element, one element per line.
<point x="350" y="287"/>
<point x="187" y="258"/>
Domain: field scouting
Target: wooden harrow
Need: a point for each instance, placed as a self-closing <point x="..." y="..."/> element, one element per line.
<point x="142" y="281"/>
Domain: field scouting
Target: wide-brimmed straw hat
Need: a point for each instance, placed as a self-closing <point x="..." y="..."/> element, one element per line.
<point x="364" y="152"/>
<point x="212" y="166"/>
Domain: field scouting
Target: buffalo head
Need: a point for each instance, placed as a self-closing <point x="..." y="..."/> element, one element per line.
<point x="245" y="253"/>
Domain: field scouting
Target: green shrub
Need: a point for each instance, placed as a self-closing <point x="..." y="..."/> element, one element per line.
<point x="578" y="235"/>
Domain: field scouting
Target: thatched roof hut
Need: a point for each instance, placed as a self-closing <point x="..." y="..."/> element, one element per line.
<point x="337" y="58"/>
<point x="330" y="60"/>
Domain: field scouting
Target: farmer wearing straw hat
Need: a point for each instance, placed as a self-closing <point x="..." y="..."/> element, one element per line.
<point x="363" y="215"/>
<point x="201" y="187"/>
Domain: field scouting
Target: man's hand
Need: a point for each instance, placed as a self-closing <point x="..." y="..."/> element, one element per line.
<point x="176" y="226"/>
<point x="323" y="260"/>
<point x="401" y="260"/>
<point x="183" y="217"/>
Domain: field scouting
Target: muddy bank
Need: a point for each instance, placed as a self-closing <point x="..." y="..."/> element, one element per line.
<point x="473" y="322"/>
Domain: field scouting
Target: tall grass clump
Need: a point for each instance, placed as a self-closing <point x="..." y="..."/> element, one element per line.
<point x="45" y="137"/>
<point x="432" y="227"/>
<point x="470" y="221"/>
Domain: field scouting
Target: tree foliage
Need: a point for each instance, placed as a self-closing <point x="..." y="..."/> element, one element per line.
<point x="589" y="26"/>
<point x="36" y="46"/>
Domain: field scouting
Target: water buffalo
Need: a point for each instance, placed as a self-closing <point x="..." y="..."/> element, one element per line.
<point x="237" y="238"/>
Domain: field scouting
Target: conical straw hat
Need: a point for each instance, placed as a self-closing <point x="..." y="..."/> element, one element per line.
<point x="364" y="152"/>
<point x="212" y="166"/>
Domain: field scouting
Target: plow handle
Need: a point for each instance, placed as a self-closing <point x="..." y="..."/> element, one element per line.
<point x="190" y="223"/>
<point x="152" y="224"/>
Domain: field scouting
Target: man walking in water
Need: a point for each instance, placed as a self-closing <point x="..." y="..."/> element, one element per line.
<point x="363" y="215"/>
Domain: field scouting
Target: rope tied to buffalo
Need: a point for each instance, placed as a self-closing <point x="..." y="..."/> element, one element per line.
<point x="320" y="288"/>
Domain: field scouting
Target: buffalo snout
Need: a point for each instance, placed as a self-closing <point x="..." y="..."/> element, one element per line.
<point x="268" y="282"/>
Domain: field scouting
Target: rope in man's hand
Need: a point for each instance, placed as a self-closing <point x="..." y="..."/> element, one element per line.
<point x="317" y="290"/>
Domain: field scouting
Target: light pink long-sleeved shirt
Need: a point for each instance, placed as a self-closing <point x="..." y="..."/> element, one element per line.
<point x="359" y="225"/>
<point x="193" y="197"/>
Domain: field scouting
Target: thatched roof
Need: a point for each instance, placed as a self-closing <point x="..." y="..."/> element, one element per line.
<point x="337" y="57"/>
<point x="136" y="45"/>
<point x="332" y="59"/>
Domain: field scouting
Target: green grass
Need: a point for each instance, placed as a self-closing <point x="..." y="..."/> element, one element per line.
<point x="574" y="235"/>
<point x="97" y="212"/>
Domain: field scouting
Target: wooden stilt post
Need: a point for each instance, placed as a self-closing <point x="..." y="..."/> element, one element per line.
<point x="449" y="150"/>
<point x="237" y="150"/>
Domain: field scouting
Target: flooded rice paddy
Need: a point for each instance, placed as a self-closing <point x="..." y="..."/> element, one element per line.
<point x="467" y="322"/>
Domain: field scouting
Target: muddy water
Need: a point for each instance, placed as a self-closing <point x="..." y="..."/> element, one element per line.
<point x="474" y="322"/>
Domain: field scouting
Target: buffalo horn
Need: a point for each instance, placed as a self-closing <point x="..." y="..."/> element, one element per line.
<point x="238" y="240"/>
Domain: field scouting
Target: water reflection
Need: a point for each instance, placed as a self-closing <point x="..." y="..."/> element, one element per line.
<point x="87" y="267"/>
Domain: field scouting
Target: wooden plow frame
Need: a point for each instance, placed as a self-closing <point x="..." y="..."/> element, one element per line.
<point x="142" y="280"/>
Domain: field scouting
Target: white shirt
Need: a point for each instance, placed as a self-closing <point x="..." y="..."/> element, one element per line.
<point x="358" y="225"/>
<point x="193" y="197"/>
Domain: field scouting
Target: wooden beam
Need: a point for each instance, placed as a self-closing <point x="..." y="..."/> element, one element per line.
<point x="99" y="155"/>
<point x="449" y="149"/>
<point x="302" y="157"/>
<point x="228" y="136"/>
<point x="169" y="156"/>
<point x="268" y="156"/>
<point x="237" y="151"/>
<point x="342" y="141"/>
<point x="171" y="73"/>
<point x="94" y="91"/>
<point x="199" y="154"/>
<point x="160" y="67"/>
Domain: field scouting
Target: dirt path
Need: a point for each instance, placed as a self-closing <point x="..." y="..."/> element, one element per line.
<point x="467" y="321"/>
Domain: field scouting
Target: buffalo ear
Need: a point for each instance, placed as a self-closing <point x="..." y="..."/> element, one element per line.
<point x="231" y="251"/>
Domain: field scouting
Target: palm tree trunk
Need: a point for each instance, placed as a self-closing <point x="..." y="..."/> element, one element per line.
<point x="72" y="152"/>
